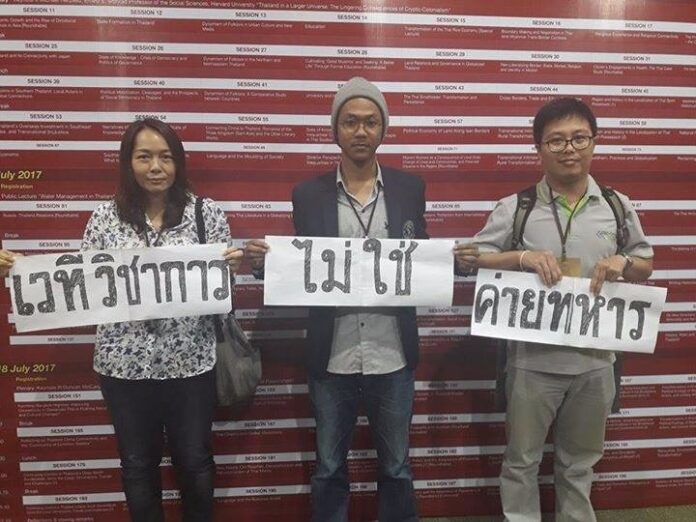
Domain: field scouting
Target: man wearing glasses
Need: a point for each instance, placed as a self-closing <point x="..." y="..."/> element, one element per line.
<point x="361" y="356"/>
<point x="570" y="231"/>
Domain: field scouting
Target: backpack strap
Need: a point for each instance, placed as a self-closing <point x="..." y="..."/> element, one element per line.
<point x="200" y="224"/>
<point x="622" y="234"/>
<point x="526" y="200"/>
<point x="619" y="212"/>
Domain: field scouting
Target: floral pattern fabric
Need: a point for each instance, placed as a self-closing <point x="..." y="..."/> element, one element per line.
<point x="161" y="348"/>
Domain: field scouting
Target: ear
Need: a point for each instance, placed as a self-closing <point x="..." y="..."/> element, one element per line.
<point x="593" y="145"/>
<point x="537" y="148"/>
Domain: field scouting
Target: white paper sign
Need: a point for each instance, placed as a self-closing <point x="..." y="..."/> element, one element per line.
<point x="108" y="286"/>
<point x="516" y="305"/>
<point x="320" y="271"/>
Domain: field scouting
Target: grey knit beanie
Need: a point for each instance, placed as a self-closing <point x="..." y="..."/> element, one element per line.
<point x="358" y="87"/>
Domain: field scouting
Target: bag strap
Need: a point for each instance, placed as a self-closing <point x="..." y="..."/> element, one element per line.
<point x="622" y="234"/>
<point x="526" y="200"/>
<point x="200" y="230"/>
<point x="619" y="215"/>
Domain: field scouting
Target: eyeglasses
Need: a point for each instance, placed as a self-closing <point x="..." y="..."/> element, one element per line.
<point x="353" y="124"/>
<point x="580" y="142"/>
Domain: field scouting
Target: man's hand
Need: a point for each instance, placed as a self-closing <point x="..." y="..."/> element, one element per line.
<point x="607" y="269"/>
<point x="466" y="255"/>
<point x="233" y="256"/>
<point x="255" y="250"/>
<point x="6" y="262"/>
<point x="543" y="263"/>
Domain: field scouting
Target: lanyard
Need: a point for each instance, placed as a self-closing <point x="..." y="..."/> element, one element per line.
<point x="564" y="234"/>
<point x="366" y="229"/>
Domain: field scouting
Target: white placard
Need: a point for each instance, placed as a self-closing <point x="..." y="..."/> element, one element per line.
<point x="516" y="305"/>
<point x="108" y="286"/>
<point x="320" y="271"/>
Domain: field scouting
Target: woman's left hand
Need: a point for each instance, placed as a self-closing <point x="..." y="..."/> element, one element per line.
<point x="233" y="256"/>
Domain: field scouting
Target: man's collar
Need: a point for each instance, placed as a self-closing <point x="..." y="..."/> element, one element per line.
<point x="543" y="190"/>
<point x="339" y="177"/>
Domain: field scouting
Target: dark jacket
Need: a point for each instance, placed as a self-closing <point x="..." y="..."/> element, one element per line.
<point x="315" y="213"/>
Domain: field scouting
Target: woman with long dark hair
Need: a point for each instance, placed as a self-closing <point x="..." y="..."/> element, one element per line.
<point x="158" y="375"/>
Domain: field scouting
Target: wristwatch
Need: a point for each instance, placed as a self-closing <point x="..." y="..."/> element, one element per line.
<point x="629" y="263"/>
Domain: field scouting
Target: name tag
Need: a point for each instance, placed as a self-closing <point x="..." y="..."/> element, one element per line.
<point x="571" y="266"/>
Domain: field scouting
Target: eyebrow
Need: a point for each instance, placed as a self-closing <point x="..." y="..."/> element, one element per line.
<point x="142" y="149"/>
<point x="582" y="132"/>
<point x="366" y="115"/>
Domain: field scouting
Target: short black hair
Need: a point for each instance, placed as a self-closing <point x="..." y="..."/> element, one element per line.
<point x="130" y="198"/>
<point x="559" y="109"/>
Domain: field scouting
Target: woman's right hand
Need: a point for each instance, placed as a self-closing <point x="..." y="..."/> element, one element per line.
<point x="6" y="261"/>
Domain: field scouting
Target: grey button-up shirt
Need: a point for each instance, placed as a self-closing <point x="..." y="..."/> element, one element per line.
<point x="366" y="339"/>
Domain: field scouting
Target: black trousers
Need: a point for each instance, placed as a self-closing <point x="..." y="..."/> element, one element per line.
<point x="141" y="410"/>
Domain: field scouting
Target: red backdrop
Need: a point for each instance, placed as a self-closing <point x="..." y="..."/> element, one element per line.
<point x="248" y="85"/>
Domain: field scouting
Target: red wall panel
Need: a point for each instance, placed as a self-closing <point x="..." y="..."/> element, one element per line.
<point x="249" y="88"/>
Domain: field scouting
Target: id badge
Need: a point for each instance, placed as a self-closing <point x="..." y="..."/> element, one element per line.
<point x="570" y="266"/>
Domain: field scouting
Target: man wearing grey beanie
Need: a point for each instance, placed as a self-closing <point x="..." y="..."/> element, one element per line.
<point x="361" y="356"/>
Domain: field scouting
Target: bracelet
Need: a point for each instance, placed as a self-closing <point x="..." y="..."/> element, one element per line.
<point x="521" y="258"/>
